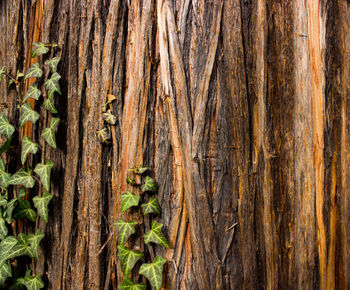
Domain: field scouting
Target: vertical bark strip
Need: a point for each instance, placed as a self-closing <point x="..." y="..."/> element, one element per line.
<point x="240" y="107"/>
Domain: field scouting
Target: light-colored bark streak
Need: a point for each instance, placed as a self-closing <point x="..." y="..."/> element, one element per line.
<point x="317" y="103"/>
<point x="304" y="234"/>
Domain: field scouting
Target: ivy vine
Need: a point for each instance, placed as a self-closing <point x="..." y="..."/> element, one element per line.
<point x="17" y="202"/>
<point x="128" y="258"/>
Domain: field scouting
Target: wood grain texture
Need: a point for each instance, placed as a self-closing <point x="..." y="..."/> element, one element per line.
<point x="240" y="107"/>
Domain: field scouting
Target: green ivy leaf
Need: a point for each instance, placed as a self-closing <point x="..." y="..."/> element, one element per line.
<point x="149" y="185"/>
<point x="44" y="172"/>
<point x="34" y="71"/>
<point x="4" y="176"/>
<point x="2" y="72"/>
<point x="32" y="282"/>
<point x="109" y="118"/>
<point x="22" y="247"/>
<point x="3" y="200"/>
<point x="155" y="235"/>
<point x="28" y="146"/>
<point x="39" y="48"/>
<point x="52" y="85"/>
<point x="41" y="204"/>
<point x="5" y="272"/>
<point x="154" y="271"/>
<point x="24" y="210"/>
<point x="19" y="75"/>
<point x="128" y="259"/>
<point x="6" y="146"/>
<point x="23" y="177"/>
<point x="3" y="228"/>
<point x="52" y="64"/>
<point x="33" y="92"/>
<point x="49" y="105"/>
<point x="129" y="285"/>
<point x="139" y="170"/>
<point x="49" y="133"/>
<point x="125" y="230"/>
<point x="151" y="207"/>
<point x="9" y="209"/>
<point x="5" y="127"/>
<point x="6" y="247"/>
<point x="129" y="200"/>
<point x="27" y="115"/>
<point x="34" y="241"/>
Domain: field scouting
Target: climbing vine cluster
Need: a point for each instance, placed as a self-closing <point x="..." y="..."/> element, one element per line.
<point x="128" y="258"/>
<point x="23" y="190"/>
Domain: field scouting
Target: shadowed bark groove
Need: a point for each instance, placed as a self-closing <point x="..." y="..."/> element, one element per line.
<point x="240" y="107"/>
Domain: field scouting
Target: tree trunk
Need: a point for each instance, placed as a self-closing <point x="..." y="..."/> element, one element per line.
<point x="241" y="108"/>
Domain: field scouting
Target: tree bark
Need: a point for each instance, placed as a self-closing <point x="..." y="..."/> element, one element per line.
<point x="240" y="107"/>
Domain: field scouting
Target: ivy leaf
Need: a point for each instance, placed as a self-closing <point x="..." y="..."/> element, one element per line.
<point x="23" y="177"/>
<point x="5" y="272"/>
<point x="149" y="185"/>
<point x="34" y="241"/>
<point x="129" y="285"/>
<point x="5" y="127"/>
<point x="33" y="92"/>
<point x="128" y="259"/>
<point x="41" y="204"/>
<point x="125" y="230"/>
<point x="32" y="282"/>
<point x="24" y="210"/>
<point x="27" y="115"/>
<point x="2" y="72"/>
<point x="19" y="75"/>
<point x="44" y="172"/>
<point x="104" y="135"/>
<point x="4" y="176"/>
<point x="49" y="105"/>
<point x="6" y="146"/>
<point x="52" y="64"/>
<point x="22" y="247"/>
<point x="3" y="200"/>
<point x="154" y="271"/>
<point x="3" y="229"/>
<point x="9" y="209"/>
<point x="109" y="118"/>
<point x="129" y="200"/>
<point x="139" y="170"/>
<point x="39" y="48"/>
<point x="28" y="146"/>
<point x="52" y="85"/>
<point x="34" y="71"/>
<point x="49" y="133"/>
<point x="151" y="207"/>
<point x="6" y="247"/>
<point x="155" y="235"/>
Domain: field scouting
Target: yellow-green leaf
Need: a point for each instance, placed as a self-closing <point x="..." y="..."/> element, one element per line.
<point x="52" y="64"/>
<point x="24" y="210"/>
<point x="5" y="127"/>
<point x="49" y="105"/>
<point x="34" y="71"/>
<point x="34" y="241"/>
<point x="154" y="271"/>
<point x="27" y="115"/>
<point x="52" y="85"/>
<point x="23" y="177"/>
<point x="28" y="146"/>
<point x="149" y="185"/>
<point x="44" y="172"/>
<point x="2" y="72"/>
<point x="155" y="235"/>
<point x="32" y="282"/>
<point x="33" y="92"/>
<point x="41" y="204"/>
<point x="151" y="207"/>
<point x="129" y="200"/>
<point x="127" y="284"/>
<point x="128" y="259"/>
<point x="39" y="48"/>
<point x="125" y="230"/>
